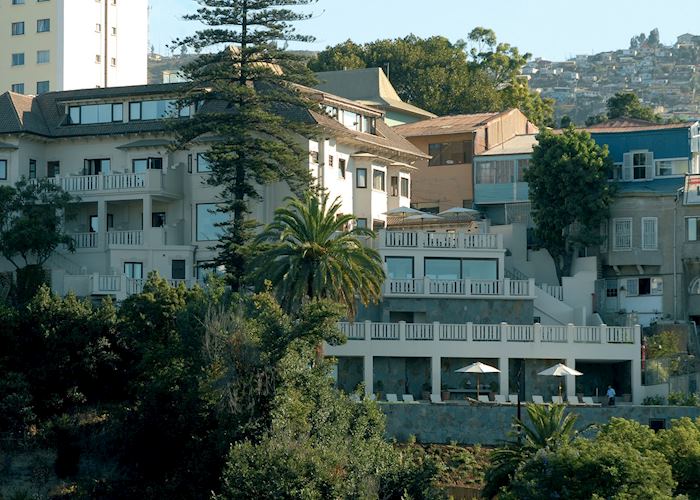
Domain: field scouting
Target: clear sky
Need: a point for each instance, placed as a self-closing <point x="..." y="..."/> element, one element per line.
<point x="552" y="29"/>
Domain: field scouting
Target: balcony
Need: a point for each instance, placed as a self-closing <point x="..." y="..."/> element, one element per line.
<point x="115" y="239"/>
<point x="121" y="286"/>
<point x="442" y="240"/>
<point x="460" y="288"/>
<point x="150" y="181"/>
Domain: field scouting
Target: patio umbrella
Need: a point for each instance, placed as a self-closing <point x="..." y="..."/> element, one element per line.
<point x="403" y="212"/>
<point x="459" y="211"/>
<point x="478" y="368"/>
<point x="560" y="370"/>
<point x="422" y="217"/>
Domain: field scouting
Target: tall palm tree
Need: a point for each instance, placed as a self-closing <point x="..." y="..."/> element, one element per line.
<point x="308" y="253"/>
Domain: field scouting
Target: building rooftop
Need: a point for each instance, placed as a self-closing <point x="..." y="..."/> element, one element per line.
<point x="518" y="145"/>
<point x="455" y="124"/>
<point x="656" y="186"/>
<point x="369" y="86"/>
<point x="633" y="125"/>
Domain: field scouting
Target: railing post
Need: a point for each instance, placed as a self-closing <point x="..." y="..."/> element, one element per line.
<point x="570" y="333"/>
<point x="499" y="241"/>
<point x="467" y="287"/>
<point x="402" y="331"/>
<point x="506" y="287"/>
<point x="426" y="285"/>
<point x="504" y="331"/>
<point x="436" y="331"/>
<point x="470" y="331"/>
<point x="368" y="330"/>
<point x="604" y="334"/>
<point x="531" y="287"/>
<point x="637" y="335"/>
<point x="537" y="333"/>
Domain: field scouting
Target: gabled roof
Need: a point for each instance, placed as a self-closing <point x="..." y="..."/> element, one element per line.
<point x="633" y="125"/>
<point x="455" y="124"/>
<point x="518" y="145"/>
<point x="369" y="86"/>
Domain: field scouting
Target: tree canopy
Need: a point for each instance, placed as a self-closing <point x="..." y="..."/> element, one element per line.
<point x="570" y="193"/>
<point x="472" y="76"/>
<point x="255" y="122"/>
<point x="625" y="105"/>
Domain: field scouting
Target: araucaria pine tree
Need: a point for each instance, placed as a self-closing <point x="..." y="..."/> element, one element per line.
<point x="249" y="107"/>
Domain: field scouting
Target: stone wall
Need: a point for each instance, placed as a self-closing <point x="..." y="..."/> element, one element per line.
<point x="443" y="423"/>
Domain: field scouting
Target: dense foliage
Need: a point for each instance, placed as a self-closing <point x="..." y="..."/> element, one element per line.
<point x="625" y="105"/>
<point x="570" y="193"/>
<point x="472" y="76"/>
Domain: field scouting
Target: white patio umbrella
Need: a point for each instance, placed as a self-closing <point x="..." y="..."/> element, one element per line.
<point x="423" y="216"/>
<point x="459" y="211"/>
<point x="560" y="370"/>
<point x="478" y="368"/>
<point x="403" y="212"/>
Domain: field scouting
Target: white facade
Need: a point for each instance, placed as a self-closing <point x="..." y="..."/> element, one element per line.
<point x="58" y="45"/>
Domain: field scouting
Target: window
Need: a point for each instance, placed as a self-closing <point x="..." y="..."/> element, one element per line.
<point x="189" y="163"/>
<point x="43" y="25"/>
<point x="95" y="113"/>
<point x="98" y="28"/>
<point x="113" y="61"/>
<point x="98" y="58"/>
<point x="133" y="270"/>
<point x="203" y="164"/>
<point x="693" y="224"/>
<point x="405" y="187"/>
<point x="32" y="169"/>
<point x="43" y="56"/>
<point x="17" y="2"/>
<point x="313" y="157"/>
<point x="18" y="59"/>
<point x="523" y="165"/>
<point x="399" y="268"/>
<point x="42" y="87"/>
<point x="649" y="233"/>
<point x="369" y="125"/>
<point x="378" y="180"/>
<point x="394" y="185"/>
<point x="94" y="223"/>
<point x="671" y="167"/>
<point x="443" y="269"/>
<point x="622" y="234"/>
<point x="53" y="169"/>
<point x="480" y="269"/>
<point x="3" y="171"/>
<point x="361" y="181"/>
<point x="638" y="165"/>
<point x="616" y="172"/>
<point x="18" y="88"/>
<point x="330" y="160"/>
<point x="114" y="31"/>
<point x="154" y="110"/>
<point x="341" y="168"/>
<point x="644" y="286"/>
<point x="694" y="288"/>
<point x="362" y="223"/>
<point x="97" y="166"/>
<point x="18" y="28"/>
<point x="450" y="153"/>
<point x="208" y="219"/>
<point x="178" y="269"/>
<point x="496" y="172"/>
<point x="611" y="288"/>
<point x="140" y="165"/>
<point x="157" y="219"/>
<point x="204" y="269"/>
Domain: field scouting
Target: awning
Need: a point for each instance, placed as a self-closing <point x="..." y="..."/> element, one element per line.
<point x="146" y="143"/>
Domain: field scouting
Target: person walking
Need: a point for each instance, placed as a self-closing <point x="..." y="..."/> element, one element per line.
<point x="611" y="396"/>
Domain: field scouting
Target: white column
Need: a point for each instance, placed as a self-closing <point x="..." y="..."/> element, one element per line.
<point x="435" y="377"/>
<point x="503" y="376"/>
<point x="101" y="223"/>
<point x="570" y="379"/>
<point x="636" y="366"/>
<point x="147" y="213"/>
<point x="369" y="374"/>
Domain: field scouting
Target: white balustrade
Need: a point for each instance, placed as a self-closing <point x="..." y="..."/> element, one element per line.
<point x="486" y="287"/>
<point x="620" y="335"/>
<point x="458" y="287"/>
<point x="112" y="182"/>
<point x="446" y="287"/>
<point x="419" y="331"/>
<point x="440" y="240"/>
<point x="480" y="241"/>
<point x="453" y="332"/>
<point x="384" y="331"/>
<point x="554" y="333"/>
<point x="434" y="239"/>
<point x="401" y="238"/>
<point x="125" y="238"/>
<point x="125" y="181"/>
<point x="353" y="331"/>
<point x="520" y="333"/>
<point x="85" y="240"/>
<point x="518" y="288"/>
<point x="555" y="291"/>
<point x="134" y="285"/>
<point x="587" y="334"/>
<point x="486" y="333"/>
<point x="109" y="283"/>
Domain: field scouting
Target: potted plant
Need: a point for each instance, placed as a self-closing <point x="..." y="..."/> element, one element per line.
<point x="444" y="393"/>
<point x="380" y="388"/>
<point x="427" y="388"/>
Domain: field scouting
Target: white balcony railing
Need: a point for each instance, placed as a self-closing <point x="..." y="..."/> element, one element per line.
<point x="112" y="182"/>
<point x="448" y="240"/>
<point x="502" y="332"/>
<point x="85" y="240"/>
<point x="125" y="238"/>
<point x="460" y="287"/>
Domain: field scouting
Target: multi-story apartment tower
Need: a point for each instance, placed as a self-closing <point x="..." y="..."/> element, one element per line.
<point x="48" y="45"/>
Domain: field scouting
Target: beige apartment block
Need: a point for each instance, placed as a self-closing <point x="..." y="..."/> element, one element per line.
<point x="144" y="206"/>
<point x="446" y="180"/>
<point x="50" y="45"/>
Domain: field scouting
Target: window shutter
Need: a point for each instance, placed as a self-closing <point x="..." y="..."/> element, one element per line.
<point x="627" y="167"/>
<point x="649" y="233"/>
<point x="632" y="287"/>
<point x="649" y="174"/>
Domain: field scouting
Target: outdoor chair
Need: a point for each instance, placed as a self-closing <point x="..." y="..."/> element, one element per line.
<point x="501" y="400"/>
<point x="435" y="399"/>
<point x="392" y="398"/>
<point x="408" y="398"/>
<point x="588" y="401"/>
<point x="574" y="401"/>
<point x="557" y="400"/>
<point x="513" y="398"/>
<point x="538" y="400"/>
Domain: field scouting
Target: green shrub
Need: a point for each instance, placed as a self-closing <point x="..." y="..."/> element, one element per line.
<point x="16" y="405"/>
<point x="680" y="444"/>
<point x="683" y="399"/>
<point x="654" y="401"/>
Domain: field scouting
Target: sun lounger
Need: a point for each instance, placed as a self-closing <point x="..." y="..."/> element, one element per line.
<point x="538" y="400"/>
<point x="513" y="398"/>
<point x="557" y="400"/>
<point x="392" y="398"/>
<point x="408" y="398"/>
<point x="435" y="398"/>
<point x="588" y="401"/>
<point x="501" y="400"/>
<point x="574" y="401"/>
